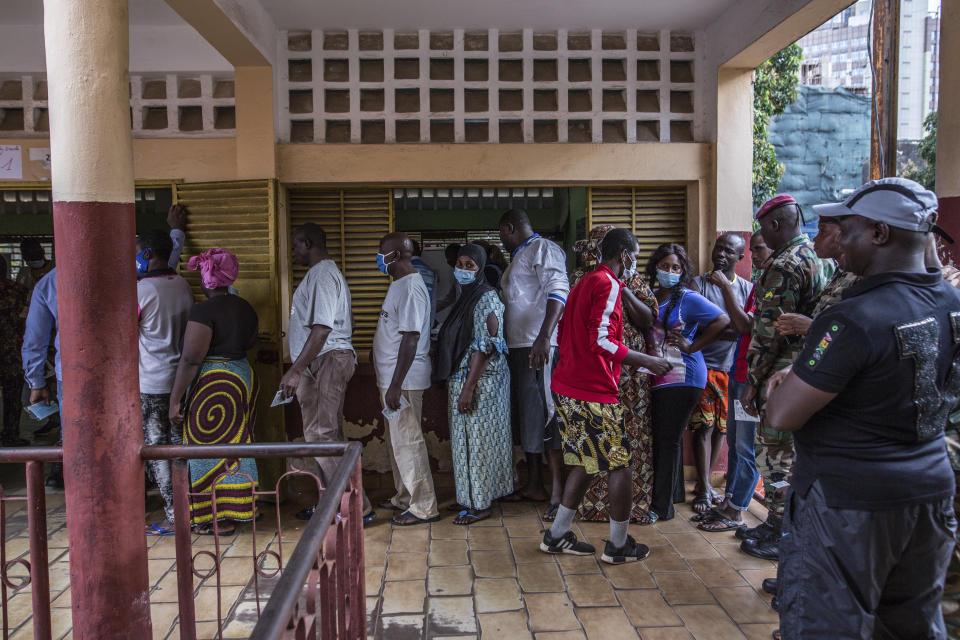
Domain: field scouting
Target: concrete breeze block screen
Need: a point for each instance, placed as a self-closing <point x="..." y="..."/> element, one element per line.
<point x="486" y="86"/>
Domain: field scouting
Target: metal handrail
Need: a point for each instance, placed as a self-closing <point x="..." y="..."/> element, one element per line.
<point x="283" y="601"/>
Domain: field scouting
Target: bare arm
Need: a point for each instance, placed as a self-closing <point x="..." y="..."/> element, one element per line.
<point x="539" y="353"/>
<point x="196" y="342"/>
<point x="405" y="355"/>
<point x="740" y="320"/>
<point x="791" y="402"/>
<point x="638" y="313"/>
<point x="478" y="366"/>
<point x="312" y="348"/>
<point x="707" y="337"/>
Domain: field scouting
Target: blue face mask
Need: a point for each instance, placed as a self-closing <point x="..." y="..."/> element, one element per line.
<point x="143" y="263"/>
<point x="666" y="279"/>
<point x="382" y="263"/>
<point x="464" y="276"/>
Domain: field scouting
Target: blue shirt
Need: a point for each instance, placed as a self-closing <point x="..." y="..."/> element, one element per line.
<point x="693" y="313"/>
<point x="42" y="322"/>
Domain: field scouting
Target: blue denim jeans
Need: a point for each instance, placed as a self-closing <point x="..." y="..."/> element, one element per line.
<point x="742" y="473"/>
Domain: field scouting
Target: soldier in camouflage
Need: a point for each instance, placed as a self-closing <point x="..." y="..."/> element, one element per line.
<point x="792" y="283"/>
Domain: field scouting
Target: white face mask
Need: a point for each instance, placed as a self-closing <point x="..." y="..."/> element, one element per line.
<point x="628" y="273"/>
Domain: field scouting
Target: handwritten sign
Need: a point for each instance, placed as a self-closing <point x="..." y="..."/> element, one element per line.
<point x="41" y="155"/>
<point x="11" y="162"/>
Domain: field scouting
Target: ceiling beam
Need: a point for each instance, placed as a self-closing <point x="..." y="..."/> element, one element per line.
<point x="753" y="30"/>
<point x="241" y="30"/>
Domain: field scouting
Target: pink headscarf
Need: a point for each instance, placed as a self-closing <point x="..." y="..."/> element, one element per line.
<point x="218" y="268"/>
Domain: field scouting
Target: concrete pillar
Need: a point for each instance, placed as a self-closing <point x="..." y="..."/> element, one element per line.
<point x="948" y="123"/>
<point x="256" y="141"/>
<point x="87" y="53"/>
<point x="733" y="158"/>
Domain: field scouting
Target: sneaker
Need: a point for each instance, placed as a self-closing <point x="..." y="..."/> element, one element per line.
<point x="631" y="551"/>
<point x="763" y="531"/>
<point x="567" y="543"/>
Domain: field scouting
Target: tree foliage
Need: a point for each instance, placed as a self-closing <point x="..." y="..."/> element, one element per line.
<point x="927" y="150"/>
<point x="774" y="89"/>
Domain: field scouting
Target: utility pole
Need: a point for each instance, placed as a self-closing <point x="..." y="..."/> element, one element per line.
<point x="885" y="59"/>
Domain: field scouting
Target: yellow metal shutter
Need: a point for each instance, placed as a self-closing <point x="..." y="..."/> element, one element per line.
<point x="241" y="218"/>
<point x="656" y="214"/>
<point x="355" y="220"/>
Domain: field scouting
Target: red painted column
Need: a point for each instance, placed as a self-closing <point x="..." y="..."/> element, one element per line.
<point x="87" y="53"/>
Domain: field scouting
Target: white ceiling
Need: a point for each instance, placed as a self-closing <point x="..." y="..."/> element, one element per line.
<point x="501" y="14"/>
<point x="142" y="12"/>
<point x="436" y="14"/>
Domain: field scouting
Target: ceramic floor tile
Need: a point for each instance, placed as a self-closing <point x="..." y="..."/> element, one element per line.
<point x="406" y="566"/>
<point x="590" y="590"/>
<point x="631" y="575"/>
<point x="401" y="627"/>
<point x="551" y="612"/>
<point x="446" y="530"/>
<point x="528" y="509"/>
<point x="453" y="615"/>
<point x="409" y="539"/>
<point x="716" y="572"/>
<point x="606" y="623"/>
<point x="527" y="550"/>
<point x="450" y="581"/>
<point x="493" y="564"/>
<point x="403" y="597"/>
<point x="572" y="565"/>
<point x="665" y="559"/>
<point x="709" y="622"/>
<point x="691" y="545"/>
<point x="488" y="539"/>
<point x="677" y="524"/>
<point x="665" y="633"/>
<point x="744" y="605"/>
<point x="524" y="527"/>
<point x="647" y="608"/>
<point x="497" y="594"/>
<point x="683" y="588"/>
<point x="756" y="577"/>
<point x="561" y="635"/>
<point x="759" y="631"/>
<point x="537" y="578"/>
<point x="511" y="625"/>
<point x="374" y="580"/>
<point x="447" y="552"/>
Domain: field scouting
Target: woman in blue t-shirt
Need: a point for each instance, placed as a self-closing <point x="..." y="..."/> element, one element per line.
<point x="687" y="323"/>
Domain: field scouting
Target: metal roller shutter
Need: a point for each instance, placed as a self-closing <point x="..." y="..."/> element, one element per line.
<point x="656" y="214"/>
<point x="355" y="220"/>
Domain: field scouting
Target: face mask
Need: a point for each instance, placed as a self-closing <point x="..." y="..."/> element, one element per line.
<point x="667" y="280"/>
<point x="36" y="264"/>
<point x="143" y="263"/>
<point x="464" y="276"/>
<point x="382" y="263"/>
<point x="628" y="273"/>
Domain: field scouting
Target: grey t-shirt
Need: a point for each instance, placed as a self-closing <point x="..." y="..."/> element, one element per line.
<point x="719" y="355"/>
<point x="323" y="298"/>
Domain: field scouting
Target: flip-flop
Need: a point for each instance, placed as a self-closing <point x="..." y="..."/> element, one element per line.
<point x="706" y="516"/>
<point x="702" y="500"/>
<point x="551" y="513"/>
<point x="370" y="517"/>
<point x="466" y="514"/>
<point x="386" y="504"/>
<point x="413" y="522"/>
<point x="156" y="530"/>
<point x="728" y="525"/>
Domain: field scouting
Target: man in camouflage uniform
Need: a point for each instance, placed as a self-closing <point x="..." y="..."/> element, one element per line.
<point x="792" y="283"/>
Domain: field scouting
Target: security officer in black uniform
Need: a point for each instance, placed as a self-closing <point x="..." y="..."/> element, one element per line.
<point x="869" y="519"/>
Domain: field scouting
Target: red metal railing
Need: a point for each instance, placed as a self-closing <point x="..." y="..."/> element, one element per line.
<point x="327" y="559"/>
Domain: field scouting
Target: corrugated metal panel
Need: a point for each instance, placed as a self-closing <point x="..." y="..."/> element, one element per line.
<point x="355" y="220"/>
<point x="656" y="214"/>
<point x="237" y="216"/>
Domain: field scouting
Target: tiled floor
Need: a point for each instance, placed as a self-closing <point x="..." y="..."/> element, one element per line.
<point x="444" y="580"/>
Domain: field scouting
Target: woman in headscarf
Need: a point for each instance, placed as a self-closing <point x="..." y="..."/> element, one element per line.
<point x="471" y="358"/>
<point x="220" y="405"/>
<point x="634" y="388"/>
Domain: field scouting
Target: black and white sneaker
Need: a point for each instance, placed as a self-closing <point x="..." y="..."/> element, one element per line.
<point x="567" y="543"/>
<point x="631" y="551"/>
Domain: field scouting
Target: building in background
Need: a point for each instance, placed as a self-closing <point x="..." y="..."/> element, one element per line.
<point x="837" y="54"/>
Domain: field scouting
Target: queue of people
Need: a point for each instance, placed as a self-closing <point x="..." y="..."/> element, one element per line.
<point x="830" y="376"/>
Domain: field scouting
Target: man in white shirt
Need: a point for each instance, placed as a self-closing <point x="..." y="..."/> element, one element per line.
<point x="321" y="347"/>
<point x="164" y="301"/>
<point x="401" y="354"/>
<point x="534" y="291"/>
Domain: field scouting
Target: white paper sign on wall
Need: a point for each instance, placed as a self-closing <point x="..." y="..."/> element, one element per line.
<point x="41" y="155"/>
<point x="11" y="162"/>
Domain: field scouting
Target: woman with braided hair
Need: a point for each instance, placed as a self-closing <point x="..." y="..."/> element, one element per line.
<point x="686" y="323"/>
<point x="221" y="399"/>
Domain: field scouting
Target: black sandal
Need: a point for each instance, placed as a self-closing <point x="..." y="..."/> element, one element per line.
<point x="551" y="513"/>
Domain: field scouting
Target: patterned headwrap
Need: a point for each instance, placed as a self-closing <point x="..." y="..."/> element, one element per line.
<point x="218" y="268"/>
<point x="589" y="249"/>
